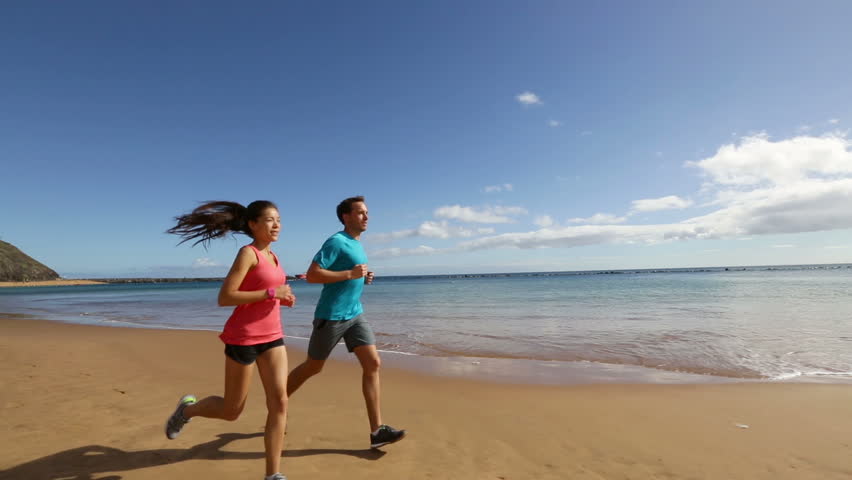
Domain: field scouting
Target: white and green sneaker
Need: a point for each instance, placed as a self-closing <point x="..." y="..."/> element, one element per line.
<point x="176" y="420"/>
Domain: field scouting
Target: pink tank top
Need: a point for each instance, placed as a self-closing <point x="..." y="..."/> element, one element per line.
<point x="257" y="322"/>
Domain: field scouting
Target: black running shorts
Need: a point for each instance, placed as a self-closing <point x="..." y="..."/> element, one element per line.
<point x="247" y="354"/>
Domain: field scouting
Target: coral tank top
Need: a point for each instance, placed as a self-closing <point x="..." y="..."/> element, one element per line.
<point x="257" y="322"/>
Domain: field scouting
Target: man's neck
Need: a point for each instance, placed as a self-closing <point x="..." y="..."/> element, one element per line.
<point x="353" y="233"/>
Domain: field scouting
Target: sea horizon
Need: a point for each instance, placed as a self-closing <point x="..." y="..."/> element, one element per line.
<point x="602" y="271"/>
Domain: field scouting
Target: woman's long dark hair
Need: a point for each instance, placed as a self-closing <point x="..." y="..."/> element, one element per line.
<point x="217" y="219"/>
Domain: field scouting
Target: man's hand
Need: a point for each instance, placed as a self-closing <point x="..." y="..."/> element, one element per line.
<point x="369" y="278"/>
<point x="359" y="271"/>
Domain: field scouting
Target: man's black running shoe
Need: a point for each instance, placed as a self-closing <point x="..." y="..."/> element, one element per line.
<point x="385" y="435"/>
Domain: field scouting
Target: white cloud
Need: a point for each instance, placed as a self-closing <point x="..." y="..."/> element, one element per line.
<point x="584" y="235"/>
<point x="758" y="160"/>
<point x="554" y="123"/>
<point x="834" y="121"/>
<point x="498" y="188"/>
<point x="806" y="206"/>
<point x="404" y="252"/>
<point x="585" y="133"/>
<point x="203" y="262"/>
<point x="671" y="202"/>
<point x="430" y="229"/>
<point x="497" y="214"/>
<point x="529" y="98"/>
<point x="756" y="186"/>
<point x="599" y="219"/>
<point x="444" y="230"/>
<point x="543" y="221"/>
<point x="501" y="210"/>
<point x="803" y="184"/>
<point x="786" y="245"/>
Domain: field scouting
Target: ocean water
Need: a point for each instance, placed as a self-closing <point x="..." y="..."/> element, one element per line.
<point x="756" y="323"/>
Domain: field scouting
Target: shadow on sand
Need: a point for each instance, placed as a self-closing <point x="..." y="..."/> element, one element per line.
<point x="84" y="463"/>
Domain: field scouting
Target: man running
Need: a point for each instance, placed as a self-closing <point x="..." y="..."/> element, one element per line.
<point x="341" y="266"/>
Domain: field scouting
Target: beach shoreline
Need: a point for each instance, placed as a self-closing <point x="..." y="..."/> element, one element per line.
<point x="51" y="283"/>
<point x="503" y="370"/>
<point x="515" y="371"/>
<point x="90" y="402"/>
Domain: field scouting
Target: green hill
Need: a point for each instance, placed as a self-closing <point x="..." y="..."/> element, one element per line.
<point x="17" y="266"/>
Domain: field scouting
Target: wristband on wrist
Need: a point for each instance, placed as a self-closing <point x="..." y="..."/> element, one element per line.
<point x="270" y="293"/>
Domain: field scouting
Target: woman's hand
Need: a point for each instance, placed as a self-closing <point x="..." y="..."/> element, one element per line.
<point x="285" y="294"/>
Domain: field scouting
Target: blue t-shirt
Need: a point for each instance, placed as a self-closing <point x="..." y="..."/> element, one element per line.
<point x="340" y="300"/>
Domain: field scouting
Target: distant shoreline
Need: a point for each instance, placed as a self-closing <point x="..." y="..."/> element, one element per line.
<point x="63" y="282"/>
<point x="104" y="281"/>
<point x="451" y="276"/>
<point x="51" y="283"/>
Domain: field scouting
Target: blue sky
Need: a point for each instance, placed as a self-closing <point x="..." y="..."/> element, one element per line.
<point x="487" y="136"/>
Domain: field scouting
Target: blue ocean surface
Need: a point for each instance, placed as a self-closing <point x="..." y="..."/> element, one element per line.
<point x="760" y="323"/>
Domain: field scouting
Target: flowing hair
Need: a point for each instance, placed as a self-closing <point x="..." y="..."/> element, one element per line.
<point x="212" y="220"/>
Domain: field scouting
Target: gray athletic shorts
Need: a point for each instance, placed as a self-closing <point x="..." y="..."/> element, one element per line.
<point x="356" y="332"/>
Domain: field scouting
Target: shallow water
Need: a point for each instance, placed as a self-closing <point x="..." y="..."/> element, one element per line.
<point x="776" y="323"/>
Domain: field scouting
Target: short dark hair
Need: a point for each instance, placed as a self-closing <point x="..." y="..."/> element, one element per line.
<point x="346" y="206"/>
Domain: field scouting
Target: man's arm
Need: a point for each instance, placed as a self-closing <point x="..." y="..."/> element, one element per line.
<point x="317" y="274"/>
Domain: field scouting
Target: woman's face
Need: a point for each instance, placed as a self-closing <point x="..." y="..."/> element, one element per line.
<point x="267" y="226"/>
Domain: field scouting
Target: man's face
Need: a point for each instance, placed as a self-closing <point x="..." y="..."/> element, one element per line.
<point x="356" y="220"/>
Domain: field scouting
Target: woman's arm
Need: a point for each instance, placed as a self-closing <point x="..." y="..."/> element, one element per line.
<point x="230" y="294"/>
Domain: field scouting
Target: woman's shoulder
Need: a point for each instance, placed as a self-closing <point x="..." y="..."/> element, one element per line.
<point x="247" y="252"/>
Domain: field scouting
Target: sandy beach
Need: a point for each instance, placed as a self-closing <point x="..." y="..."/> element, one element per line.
<point x="82" y="402"/>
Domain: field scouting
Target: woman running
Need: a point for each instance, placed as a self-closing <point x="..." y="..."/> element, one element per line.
<point x="256" y="286"/>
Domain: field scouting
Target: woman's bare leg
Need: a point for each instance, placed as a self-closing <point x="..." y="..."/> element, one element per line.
<point x="272" y="366"/>
<point x="229" y="407"/>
